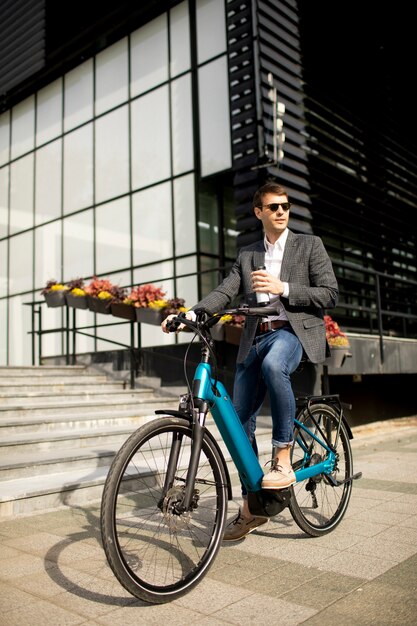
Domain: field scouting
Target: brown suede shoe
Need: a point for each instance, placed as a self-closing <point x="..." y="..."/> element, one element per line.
<point x="241" y="526"/>
<point x="279" y="477"/>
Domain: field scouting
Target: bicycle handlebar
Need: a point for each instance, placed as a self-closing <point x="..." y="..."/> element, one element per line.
<point x="207" y="320"/>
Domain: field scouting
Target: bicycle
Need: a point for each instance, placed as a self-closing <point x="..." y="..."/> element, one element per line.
<point x="164" y="503"/>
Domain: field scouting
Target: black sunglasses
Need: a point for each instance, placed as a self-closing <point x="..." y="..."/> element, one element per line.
<point x="274" y="206"/>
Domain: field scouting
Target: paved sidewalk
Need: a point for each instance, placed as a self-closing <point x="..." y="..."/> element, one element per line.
<point x="53" y="571"/>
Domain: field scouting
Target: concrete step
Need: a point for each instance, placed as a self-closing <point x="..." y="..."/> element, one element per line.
<point x="53" y="379"/>
<point x="93" y="450"/>
<point x="47" y="424"/>
<point x="80" y="485"/>
<point x="49" y="409"/>
<point x="67" y="395"/>
<point x="72" y="435"/>
<point x="39" y="370"/>
<point x="26" y="389"/>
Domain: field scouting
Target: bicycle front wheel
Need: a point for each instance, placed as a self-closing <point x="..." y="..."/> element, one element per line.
<point x="157" y="551"/>
<point x="316" y="504"/>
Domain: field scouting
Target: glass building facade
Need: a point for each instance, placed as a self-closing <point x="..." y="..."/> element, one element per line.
<point x="131" y="144"/>
<point x="99" y="175"/>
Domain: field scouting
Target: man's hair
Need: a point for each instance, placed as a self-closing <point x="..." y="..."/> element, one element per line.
<point x="270" y="187"/>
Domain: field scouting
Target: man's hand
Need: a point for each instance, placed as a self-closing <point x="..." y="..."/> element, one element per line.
<point x="171" y="317"/>
<point x="266" y="283"/>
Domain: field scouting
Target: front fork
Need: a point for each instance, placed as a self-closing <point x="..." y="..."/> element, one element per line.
<point x="200" y="413"/>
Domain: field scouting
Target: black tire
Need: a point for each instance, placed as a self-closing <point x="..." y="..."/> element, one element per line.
<point x="316" y="505"/>
<point x="156" y="553"/>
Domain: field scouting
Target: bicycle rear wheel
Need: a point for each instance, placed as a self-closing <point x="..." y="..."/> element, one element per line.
<point x="155" y="551"/>
<point x="316" y="505"/>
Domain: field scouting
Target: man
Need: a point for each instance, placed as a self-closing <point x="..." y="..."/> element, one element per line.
<point x="300" y="281"/>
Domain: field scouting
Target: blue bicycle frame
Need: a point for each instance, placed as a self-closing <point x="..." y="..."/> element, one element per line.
<point x="227" y="421"/>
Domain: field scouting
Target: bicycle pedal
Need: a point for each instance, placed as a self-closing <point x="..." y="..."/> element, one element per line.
<point x="268" y="502"/>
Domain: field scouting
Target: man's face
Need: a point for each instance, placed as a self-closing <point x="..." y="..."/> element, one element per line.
<point x="274" y="222"/>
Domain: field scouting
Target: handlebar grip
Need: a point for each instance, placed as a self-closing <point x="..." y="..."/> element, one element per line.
<point x="172" y="325"/>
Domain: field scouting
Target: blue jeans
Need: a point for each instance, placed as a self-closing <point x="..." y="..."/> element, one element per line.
<point x="272" y="359"/>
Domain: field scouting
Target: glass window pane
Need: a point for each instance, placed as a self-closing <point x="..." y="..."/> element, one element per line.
<point x="187" y="287"/>
<point x="182" y="125"/>
<point x="3" y="269"/>
<point x="208" y="222"/>
<point x="21" y="265"/>
<point x="149" y="56"/>
<point x="215" y="149"/>
<point x="4" y="201"/>
<point x="111" y="77"/>
<point x="48" y="182"/>
<point x="229" y="217"/>
<point x="78" y="95"/>
<point x="3" y="332"/>
<point x="48" y="253"/>
<point x="78" y="246"/>
<point x="211" y="29"/>
<point x="150" y="138"/>
<point x="4" y="137"/>
<point x="20" y="325"/>
<point x="153" y="335"/>
<point x="112" y="155"/>
<point x="184" y="211"/>
<point x="112" y="236"/>
<point x="23" y="127"/>
<point x="155" y="274"/>
<point x="85" y="319"/>
<point x="116" y="332"/>
<point x="21" y="194"/>
<point x="49" y="112"/>
<point x="179" y="39"/>
<point x="52" y="343"/>
<point x="152" y="225"/>
<point x="78" y="169"/>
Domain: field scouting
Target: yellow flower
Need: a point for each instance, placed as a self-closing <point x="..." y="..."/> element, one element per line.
<point x="78" y="292"/>
<point x="58" y="287"/>
<point x="157" y="304"/>
<point x="225" y="319"/>
<point x="338" y="341"/>
<point x="104" y="295"/>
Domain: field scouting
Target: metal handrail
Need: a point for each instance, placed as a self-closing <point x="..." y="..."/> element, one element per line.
<point x="376" y="311"/>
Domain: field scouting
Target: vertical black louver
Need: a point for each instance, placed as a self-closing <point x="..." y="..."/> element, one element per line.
<point x="264" y="56"/>
<point x="22" y="41"/>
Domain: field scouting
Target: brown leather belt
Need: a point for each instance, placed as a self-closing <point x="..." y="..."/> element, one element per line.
<point x="265" y="327"/>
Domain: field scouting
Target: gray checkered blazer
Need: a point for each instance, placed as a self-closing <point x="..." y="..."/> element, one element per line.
<point x="307" y="268"/>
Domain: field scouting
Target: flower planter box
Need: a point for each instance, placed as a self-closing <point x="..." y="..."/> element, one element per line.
<point x="150" y="316"/>
<point x="77" y="302"/>
<point x="96" y="305"/>
<point x="233" y="334"/>
<point x="126" y="311"/>
<point x="55" y="298"/>
<point x="338" y="356"/>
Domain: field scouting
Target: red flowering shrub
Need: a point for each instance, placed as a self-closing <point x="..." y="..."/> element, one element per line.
<point x="334" y="335"/>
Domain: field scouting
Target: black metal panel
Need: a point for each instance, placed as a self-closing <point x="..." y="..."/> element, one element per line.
<point x="263" y="36"/>
<point x="363" y="159"/>
<point x="40" y="40"/>
<point x="22" y="41"/>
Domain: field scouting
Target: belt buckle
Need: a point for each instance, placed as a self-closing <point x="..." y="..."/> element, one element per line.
<point x="266" y="325"/>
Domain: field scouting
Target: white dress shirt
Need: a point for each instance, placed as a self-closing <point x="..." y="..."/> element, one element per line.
<point x="273" y="262"/>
